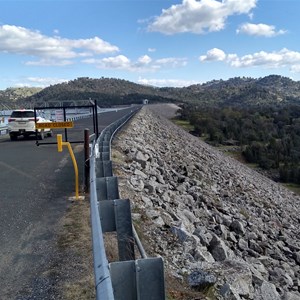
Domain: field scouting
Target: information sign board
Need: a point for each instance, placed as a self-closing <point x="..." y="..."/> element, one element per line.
<point x="54" y="125"/>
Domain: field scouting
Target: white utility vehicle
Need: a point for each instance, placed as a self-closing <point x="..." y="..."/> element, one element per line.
<point x="22" y="122"/>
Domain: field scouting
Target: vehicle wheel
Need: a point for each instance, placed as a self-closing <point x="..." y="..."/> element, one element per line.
<point x="50" y="133"/>
<point x="41" y="135"/>
<point x="13" y="137"/>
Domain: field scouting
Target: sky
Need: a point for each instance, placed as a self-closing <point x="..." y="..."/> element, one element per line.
<point x="153" y="42"/>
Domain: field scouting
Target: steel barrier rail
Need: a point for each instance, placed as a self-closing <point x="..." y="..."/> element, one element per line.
<point x="3" y="130"/>
<point x="103" y="283"/>
<point x="136" y="237"/>
<point x="128" y="279"/>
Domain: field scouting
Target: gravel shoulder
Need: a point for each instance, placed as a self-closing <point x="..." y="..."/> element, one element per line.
<point x="68" y="273"/>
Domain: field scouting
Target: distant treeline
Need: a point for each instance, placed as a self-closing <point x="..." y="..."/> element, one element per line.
<point x="268" y="136"/>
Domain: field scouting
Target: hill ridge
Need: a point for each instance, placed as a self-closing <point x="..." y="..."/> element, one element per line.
<point x="245" y="91"/>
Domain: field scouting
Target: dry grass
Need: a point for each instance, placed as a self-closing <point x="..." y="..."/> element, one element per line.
<point x="75" y="245"/>
<point x="117" y="156"/>
<point x="292" y="187"/>
<point x="177" y="290"/>
<point x="111" y="246"/>
<point x="183" y="124"/>
<point x="80" y="290"/>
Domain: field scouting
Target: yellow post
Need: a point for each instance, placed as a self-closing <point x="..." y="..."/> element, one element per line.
<point x="59" y="142"/>
<point x="60" y="145"/>
<point x="75" y="168"/>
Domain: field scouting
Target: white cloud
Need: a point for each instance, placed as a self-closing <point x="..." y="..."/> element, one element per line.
<point x="116" y="62"/>
<point x="199" y="16"/>
<point x="214" y="54"/>
<point x="260" y="30"/>
<point x="96" y="45"/>
<point x="144" y="63"/>
<point x="46" y="81"/>
<point x="275" y="59"/>
<point x="145" y="60"/>
<point x="166" y="82"/>
<point x="49" y="62"/>
<point x="295" y="68"/>
<point x="120" y="62"/>
<point x="173" y="62"/>
<point x="151" y="49"/>
<point x="39" y="81"/>
<point x="20" y="40"/>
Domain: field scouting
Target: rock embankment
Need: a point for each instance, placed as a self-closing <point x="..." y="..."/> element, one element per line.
<point x="219" y="225"/>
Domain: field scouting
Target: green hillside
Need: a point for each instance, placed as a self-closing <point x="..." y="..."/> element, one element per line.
<point x="239" y="91"/>
<point x="13" y="97"/>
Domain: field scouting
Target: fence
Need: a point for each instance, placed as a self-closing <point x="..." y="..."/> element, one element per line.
<point x="128" y="278"/>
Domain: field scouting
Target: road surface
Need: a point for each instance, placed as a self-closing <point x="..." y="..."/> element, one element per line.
<point x="35" y="184"/>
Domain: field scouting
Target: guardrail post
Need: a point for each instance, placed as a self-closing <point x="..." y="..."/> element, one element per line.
<point x="86" y="160"/>
<point x="96" y="119"/>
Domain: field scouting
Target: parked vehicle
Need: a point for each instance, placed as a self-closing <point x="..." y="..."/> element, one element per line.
<point x="22" y="122"/>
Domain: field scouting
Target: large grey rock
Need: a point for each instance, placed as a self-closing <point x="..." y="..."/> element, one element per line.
<point x="267" y="291"/>
<point x="201" y="280"/>
<point x="242" y="244"/>
<point x="141" y="158"/>
<point x="296" y="257"/>
<point x="219" y="250"/>
<point x="228" y="293"/>
<point x="180" y="233"/>
<point x="140" y="174"/>
<point x="291" y="296"/>
<point x="237" y="227"/>
<point x="147" y="201"/>
<point x="238" y="275"/>
<point x="254" y="246"/>
<point x="201" y="254"/>
<point x="203" y="236"/>
<point x="137" y="184"/>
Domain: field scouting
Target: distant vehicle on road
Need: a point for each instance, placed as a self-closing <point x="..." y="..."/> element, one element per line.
<point x="22" y="122"/>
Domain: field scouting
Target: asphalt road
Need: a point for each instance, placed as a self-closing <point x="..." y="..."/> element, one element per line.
<point x="35" y="184"/>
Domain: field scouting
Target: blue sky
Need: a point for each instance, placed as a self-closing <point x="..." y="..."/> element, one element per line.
<point x="156" y="42"/>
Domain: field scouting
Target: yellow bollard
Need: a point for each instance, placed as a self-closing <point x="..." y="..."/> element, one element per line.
<point x="60" y="145"/>
<point x="59" y="142"/>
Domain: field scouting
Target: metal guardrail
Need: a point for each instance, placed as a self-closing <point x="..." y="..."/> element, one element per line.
<point x="3" y="130"/>
<point x="129" y="278"/>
